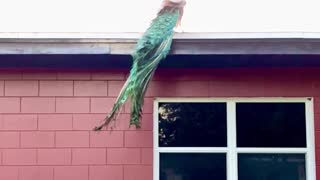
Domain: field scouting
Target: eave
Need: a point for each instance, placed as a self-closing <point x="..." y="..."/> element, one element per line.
<point x="184" y="43"/>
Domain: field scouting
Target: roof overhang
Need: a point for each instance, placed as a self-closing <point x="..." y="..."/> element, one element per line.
<point x="184" y="43"/>
<point x="189" y="50"/>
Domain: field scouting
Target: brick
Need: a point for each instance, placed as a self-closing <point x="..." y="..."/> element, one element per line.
<point x="37" y="139"/>
<point x="10" y="75"/>
<point x="184" y="74"/>
<point x="136" y="172"/>
<point x="54" y="156"/>
<point x="1" y="88"/>
<point x="114" y="87"/>
<point x="19" y="156"/>
<point x="74" y="75"/>
<point x="288" y="88"/>
<point x="90" y="88"/>
<point x="317" y="106"/>
<point x="315" y="86"/>
<point x="109" y="75"/>
<point x="9" y="172"/>
<point x="192" y="88"/>
<point x="233" y="88"/>
<point x="317" y="171"/>
<point x="72" y="105"/>
<point x="39" y="75"/>
<point x="162" y="89"/>
<point x="147" y="122"/>
<point x="87" y="121"/>
<point x="147" y="156"/>
<point x="123" y="122"/>
<point x="9" y="139"/>
<point x="72" y="139"/>
<point x="9" y="105"/>
<point x="105" y="172"/>
<point x="36" y="173"/>
<point x="147" y="107"/>
<point x="317" y="122"/>
<point x="138" y="139"/>
<point x="21" y="88"/>
<point x="123" y="156"/>
<point x="19" y="122"/>
<point x="55" y="122"/>
<point x="89" y="156"/>
<point x="102" y="105"/>
<point x="71" y="173"/>
<point x="106" y="139"/>
<point x="38" y="105"/>
<point x="317" y="153"/>
<point x="317" y="139"/>
<point x="56" y="88"/>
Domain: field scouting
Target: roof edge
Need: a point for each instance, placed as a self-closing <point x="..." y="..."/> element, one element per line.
<point x="181" y="35"/>
<point x="184" y="43"/>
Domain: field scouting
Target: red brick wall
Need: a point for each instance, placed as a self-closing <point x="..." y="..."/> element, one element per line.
<point x="46" y="117"/>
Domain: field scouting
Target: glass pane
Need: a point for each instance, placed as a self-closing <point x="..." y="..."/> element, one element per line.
<point x="271" y="167"/>
<point x="271" y="125"/>
<point x="192" y="166"/>
<point x="192" y="125"/>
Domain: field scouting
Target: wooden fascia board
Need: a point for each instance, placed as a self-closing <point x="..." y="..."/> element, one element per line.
<point x="184" y="43"/>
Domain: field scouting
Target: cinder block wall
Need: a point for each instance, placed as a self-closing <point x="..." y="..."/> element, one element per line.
<point x="46" y="117"/>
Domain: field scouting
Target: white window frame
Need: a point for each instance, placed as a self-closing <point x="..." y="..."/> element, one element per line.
<point x="231" y="150"/>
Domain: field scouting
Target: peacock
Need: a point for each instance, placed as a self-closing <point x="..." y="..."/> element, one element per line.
<point x="151" y="48"/>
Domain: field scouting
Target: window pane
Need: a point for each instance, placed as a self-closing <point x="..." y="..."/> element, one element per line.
<point x="192" y="125"/>
<point x="192" y="166"/>
<point x="271" y="124"/>
<point x="271" y="167"/>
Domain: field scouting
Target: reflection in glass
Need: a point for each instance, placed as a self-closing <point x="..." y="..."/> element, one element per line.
<point x="271" y="124"/>
<point x="192" y="125"/>
<point x="192" y="166"/>
<point x="271" y="167"/>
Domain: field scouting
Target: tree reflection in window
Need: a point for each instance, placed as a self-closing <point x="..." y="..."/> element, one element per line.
<point x="192" y="125"/>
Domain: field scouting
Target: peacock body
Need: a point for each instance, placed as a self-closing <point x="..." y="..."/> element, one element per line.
<point x="150" y="49"/>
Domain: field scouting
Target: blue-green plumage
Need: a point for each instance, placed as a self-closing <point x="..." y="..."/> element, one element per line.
<point x="151" y="48"/>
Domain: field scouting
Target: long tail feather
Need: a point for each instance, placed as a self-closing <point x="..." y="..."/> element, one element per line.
<point x="150" y="50"/>
<point x="122" y="98"/>
<point x="138" y="100"/>
<point x="135" y="88"/>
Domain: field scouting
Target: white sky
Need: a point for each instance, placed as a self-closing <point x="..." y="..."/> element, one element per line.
<point x="135" y="15"/>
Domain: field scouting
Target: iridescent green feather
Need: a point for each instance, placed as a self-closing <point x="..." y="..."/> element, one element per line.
<point x="151" y="48"/>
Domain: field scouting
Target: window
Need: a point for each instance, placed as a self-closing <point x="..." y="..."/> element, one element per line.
<point x="234" y="139"/>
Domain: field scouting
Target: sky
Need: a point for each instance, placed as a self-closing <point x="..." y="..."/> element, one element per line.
<point x="135" y="15"/>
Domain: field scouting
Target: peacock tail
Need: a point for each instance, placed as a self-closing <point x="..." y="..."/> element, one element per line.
<point x="150" y="49"/>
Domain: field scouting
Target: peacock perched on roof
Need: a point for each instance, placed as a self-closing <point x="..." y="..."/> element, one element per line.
<point x="150" y="49"/>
